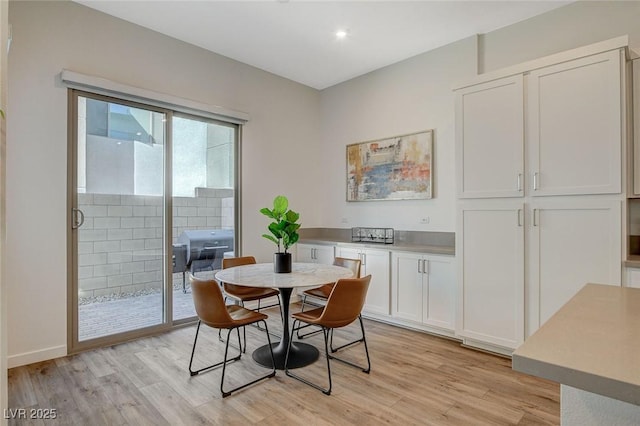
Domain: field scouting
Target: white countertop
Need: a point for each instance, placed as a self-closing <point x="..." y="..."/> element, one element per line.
<point x="592" y="343"/>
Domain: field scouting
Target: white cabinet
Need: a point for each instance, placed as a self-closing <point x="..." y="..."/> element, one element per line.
<point x="375" y="263"/>
<point x="423" y="289"/>
<point x="490" y="139"/>
<point x="490" y="247"/>
<point x="574" y="131"/>
<point x="569" y="243"/>
<point x="573" y="242"/>
<point x="574" y="113"/>
<point x="635" y="178"/>
<point x="539" y="157"/>
<point x="315" y="253"/>
<point x="632" y="277"/>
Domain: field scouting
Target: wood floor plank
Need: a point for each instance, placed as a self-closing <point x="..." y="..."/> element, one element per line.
<point x="194" y="391"/>
<point x="416" y="379"/>
<point x="83" y="386"/>
<point x="51" y="391"/>
<point x="23" y="395"/>
<point x="126" y="362"/>
<point x="129" y="400"/>
<point x="175" y="409"/>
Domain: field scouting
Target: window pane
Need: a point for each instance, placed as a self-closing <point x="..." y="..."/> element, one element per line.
<point x="203" y="200"/>
<point x="120" y="245"/>
<point x="123" y="150"/>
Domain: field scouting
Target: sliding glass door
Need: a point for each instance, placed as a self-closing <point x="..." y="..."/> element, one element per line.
<point x="153" y="199"/>
<point x="204" y="229"/>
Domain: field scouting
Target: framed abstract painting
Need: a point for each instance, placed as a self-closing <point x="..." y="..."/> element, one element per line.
<point x="396" y="168"/>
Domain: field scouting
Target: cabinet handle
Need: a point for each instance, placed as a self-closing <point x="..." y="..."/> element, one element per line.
<point x="535" y="181"/>
<point x="519" y="182"/>
<point x="425" y="266"/>
<point x="419" y="266"/>
<point x="315" y="254"/>
<point x="535" y="213"/>
<point x="364" y="259"/>
<point x="519" y="217"/>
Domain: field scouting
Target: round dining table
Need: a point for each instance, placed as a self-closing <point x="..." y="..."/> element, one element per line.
<point x="302" y="275"/>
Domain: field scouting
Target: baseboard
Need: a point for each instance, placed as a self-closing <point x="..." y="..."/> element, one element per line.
<point x="487" y="347"/>
<point x="36" y="356"/>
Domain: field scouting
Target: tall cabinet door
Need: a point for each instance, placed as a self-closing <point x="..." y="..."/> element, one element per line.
<point x="490" y="243"/>
<point x="575" y="126"/>
<point x="574" y="242"/>
<point x="490" y="139"/>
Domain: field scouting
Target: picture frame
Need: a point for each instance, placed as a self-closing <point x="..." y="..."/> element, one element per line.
<point x="394" y="168"/>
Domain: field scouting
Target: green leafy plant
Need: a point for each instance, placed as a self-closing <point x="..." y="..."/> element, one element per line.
<point x="284" y="228"/>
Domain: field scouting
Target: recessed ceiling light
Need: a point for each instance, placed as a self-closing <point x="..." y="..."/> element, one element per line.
<point x="340" y="34"/>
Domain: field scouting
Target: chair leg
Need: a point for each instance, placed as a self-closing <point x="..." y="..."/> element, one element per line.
<point x="333" y="350"/>
<point x="366" y="350"/>
<point x="193" y="350"/>
<point x="271" y="373"/>
<point x="302" y="336"/>
<point x="240" y="347"/>
<point x="265" y="307"/>
<point x="325" y="332"/>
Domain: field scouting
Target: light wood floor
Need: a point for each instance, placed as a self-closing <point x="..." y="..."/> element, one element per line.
<point x="415" y="379"/>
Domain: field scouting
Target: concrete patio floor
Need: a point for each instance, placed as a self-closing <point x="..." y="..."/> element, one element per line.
<point x="129" y="313"/>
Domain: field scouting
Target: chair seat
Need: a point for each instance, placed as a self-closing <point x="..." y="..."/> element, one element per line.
<point x="310" y="317"/>
<point x="321" y="292"/>
<point x="239" y="317"/>
<point x="251" y="293"/>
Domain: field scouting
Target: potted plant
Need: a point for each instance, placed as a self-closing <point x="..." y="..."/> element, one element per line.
<point x="284" y="231"/>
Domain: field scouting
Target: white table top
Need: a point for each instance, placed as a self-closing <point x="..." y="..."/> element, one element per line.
<point x="302" y="275"/>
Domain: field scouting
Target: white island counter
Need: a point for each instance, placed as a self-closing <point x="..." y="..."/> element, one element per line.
<point x="591" y="346"/>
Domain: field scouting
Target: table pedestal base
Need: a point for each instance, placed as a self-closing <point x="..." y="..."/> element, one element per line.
<point x="302" y="354"/>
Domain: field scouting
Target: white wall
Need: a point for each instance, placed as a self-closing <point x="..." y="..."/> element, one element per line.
<point x="407" y="97"/>
<point x="574" y="25"/>
<point x="50" y="36"/>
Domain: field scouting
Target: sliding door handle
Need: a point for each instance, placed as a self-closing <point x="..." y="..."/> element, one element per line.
<point x="77" y="218"/>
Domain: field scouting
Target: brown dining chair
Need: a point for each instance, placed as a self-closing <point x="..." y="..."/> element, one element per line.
<point x="241" y="294"/>
<point x="343" y="307"/>
<point x="322" y="294"/>
<point x="212" y="311"/>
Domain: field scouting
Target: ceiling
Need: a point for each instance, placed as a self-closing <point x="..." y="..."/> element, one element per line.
<point x="296" y="39"/>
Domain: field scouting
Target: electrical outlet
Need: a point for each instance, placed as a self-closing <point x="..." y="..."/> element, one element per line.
<point x="345" y="220"/>
<point x="424" y="220"/>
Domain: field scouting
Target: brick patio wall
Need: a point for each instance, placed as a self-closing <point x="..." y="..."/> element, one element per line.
<point x="120" y="242"/>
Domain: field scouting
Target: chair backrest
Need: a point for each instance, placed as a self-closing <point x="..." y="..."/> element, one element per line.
<point x="353" y="264"/>
<point x="210" y="306"/>
<point x="345" y="302"/>
<point x="230" y="262"/>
